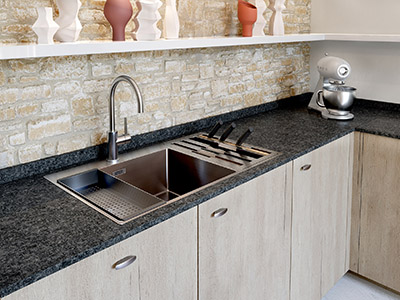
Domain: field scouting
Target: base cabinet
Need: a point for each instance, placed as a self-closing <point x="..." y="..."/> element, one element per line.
<point x="320" y="220"/>
<point x="283" y="235"/>
<point x="165" y="268"/>
<point x="378" y="255"/>
<point x="245" y="253"/>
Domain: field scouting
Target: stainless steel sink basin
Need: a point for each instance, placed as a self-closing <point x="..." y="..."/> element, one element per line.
<point x="142" y="182"/>
<point x="167" y="174"/>
<point x="128" y="189"/>
<point x="117" y="198"/>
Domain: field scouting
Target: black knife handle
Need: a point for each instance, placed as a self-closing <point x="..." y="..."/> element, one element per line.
<point x="227" y="132"/>
<point x="216" y="127"/>
<point x="244" y="136"/>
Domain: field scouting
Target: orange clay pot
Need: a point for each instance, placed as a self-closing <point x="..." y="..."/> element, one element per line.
<point x="247" y="14"/>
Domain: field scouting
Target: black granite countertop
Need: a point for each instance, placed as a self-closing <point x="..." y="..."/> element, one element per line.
<point x="44" y="229"/>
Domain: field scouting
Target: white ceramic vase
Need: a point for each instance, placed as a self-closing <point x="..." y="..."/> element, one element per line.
<point x="146" y="20"/>
<point x="259" y="25"/>
<point x="45" y="27"/>
<point x="70" y="26"/>
<point x="276" y="26"/>
<point x="171" y="20"/>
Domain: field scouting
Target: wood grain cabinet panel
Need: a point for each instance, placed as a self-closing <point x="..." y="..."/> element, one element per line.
<point x="379" y="240"/>
<point x="321" y="219"/>
<point x="245" y="254"/>
<point x="165" y="268"/>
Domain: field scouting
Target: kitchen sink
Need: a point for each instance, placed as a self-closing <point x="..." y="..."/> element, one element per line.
<point x="167" y="174"/>
<point x="147" y="179"/>
<point x="131" y="188"/>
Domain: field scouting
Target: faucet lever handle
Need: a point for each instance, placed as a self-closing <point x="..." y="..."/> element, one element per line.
<point x="125" y="126"/>
<point x="126" y="137"/>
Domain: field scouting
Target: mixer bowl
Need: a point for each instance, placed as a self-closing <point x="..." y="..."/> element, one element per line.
<point x="338" y="99"/>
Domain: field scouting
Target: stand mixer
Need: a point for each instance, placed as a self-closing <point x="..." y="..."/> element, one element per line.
<point x="331" y="96"/>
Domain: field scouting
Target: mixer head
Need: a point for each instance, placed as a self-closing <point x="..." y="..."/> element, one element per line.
<point x="335" y="68"/>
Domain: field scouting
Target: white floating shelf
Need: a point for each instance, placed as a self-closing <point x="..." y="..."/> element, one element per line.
<point x="103" y="47"/>
<point x="387" y="38"/>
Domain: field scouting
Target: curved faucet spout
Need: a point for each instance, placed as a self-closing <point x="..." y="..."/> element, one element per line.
<point x="113" y="138"/>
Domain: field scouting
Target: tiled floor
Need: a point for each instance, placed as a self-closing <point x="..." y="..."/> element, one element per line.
<point x="351" y="287"/>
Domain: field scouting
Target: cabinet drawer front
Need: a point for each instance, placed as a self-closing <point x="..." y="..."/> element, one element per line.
<point x="244" y="252"/>
<point x="320" y="228"/>
<point x="91" y="278"/>
<point x="158" y="263"/>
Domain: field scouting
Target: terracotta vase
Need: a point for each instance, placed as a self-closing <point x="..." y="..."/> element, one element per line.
<point x="247" y="14"/>
<point x="118" y="13"/>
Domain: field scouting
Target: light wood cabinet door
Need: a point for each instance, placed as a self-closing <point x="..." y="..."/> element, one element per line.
<point x="165" y="268"/>
<point x="321" y="219"/>
<point x="245" y="254"/>
<point x="379" y="240"/>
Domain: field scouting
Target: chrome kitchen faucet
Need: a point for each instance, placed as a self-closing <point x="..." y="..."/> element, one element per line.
<point x="113" y="138"/>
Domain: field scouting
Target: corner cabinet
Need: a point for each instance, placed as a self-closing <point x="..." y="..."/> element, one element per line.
<point x="321" y="219"/>
<point x="376" y="211"/>
<point x="163" y="266"/>
<point x="244" y="240"/>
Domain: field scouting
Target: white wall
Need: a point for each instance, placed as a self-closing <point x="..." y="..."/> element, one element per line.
<point x="355" y="16"/>
<point x="375" y="67"/>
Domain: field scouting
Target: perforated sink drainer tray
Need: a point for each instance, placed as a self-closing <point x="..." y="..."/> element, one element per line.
<point x="111" y="195"/>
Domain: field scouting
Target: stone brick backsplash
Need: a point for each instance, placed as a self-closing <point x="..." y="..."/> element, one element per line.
<point x="55" y="105"/>
<point x="198" y="18"/>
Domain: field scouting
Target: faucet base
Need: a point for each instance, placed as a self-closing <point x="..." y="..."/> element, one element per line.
<point x="112" y="146"/>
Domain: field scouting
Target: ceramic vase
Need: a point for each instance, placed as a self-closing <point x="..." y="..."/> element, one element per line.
<point x="70" y="26"/>
<point x="171" y="20"/>
<point x="118" y="13"/>
<point x="276" y="26"/>
<point x="146" y="20"/>
<point x="259" y="25"/>
<point x="45" y="27"/>
<point x="247" y="14"/>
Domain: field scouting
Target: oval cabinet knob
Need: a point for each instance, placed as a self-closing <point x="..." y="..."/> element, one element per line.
<point x="305" y="167"/>
<point x="219" y="213"/>
<point x="123" y="263"/>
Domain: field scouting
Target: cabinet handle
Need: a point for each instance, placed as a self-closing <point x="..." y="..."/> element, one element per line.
<point x="305" y="167"/>
<point x="219" y="213"/>
<point x="123" y="263"/>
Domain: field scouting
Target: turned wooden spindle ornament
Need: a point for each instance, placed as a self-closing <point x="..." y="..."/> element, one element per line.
<point x="171" y="20"/>
<point x="45" y="27"/>
<point x="146" y="20"/>
<point x="276" y="26"/>
<point x="70" y="26"/>
<point x="259" y="25"/>
<point x="118" y="13"/>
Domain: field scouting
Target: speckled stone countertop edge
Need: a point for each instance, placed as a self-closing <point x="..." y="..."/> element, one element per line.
<point x="191" y="201"/>
<point x="188" y="202"/>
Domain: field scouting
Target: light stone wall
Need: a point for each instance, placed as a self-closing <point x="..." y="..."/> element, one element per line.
<point x="198" y="18"/>
<point x="51" y="106"/>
